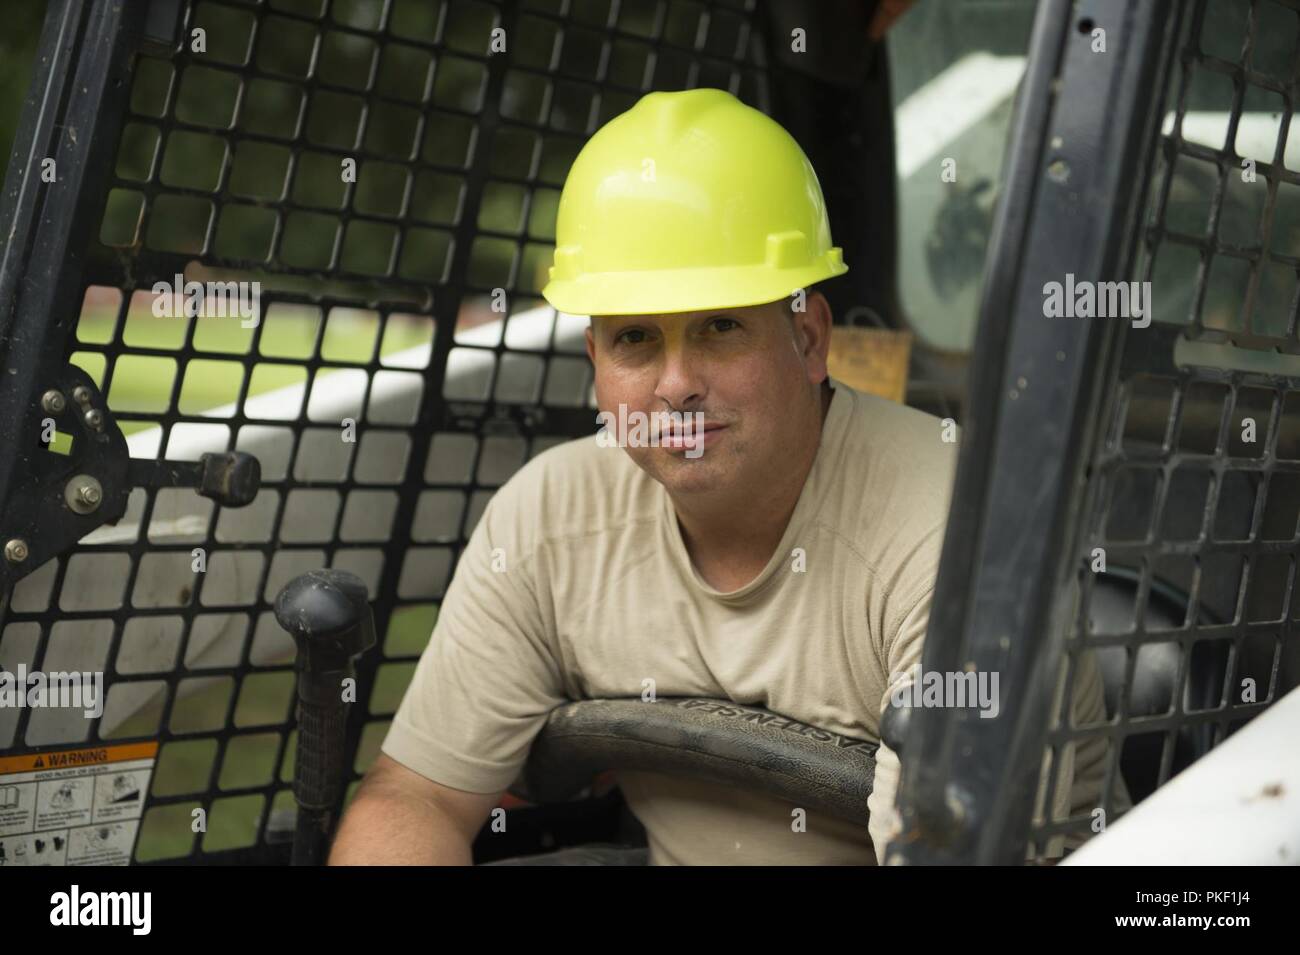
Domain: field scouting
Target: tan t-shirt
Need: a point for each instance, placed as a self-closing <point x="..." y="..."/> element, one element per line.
<point x="575" y="584"/>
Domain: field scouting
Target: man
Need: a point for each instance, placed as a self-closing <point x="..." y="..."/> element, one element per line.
<point x="781" y="554"/>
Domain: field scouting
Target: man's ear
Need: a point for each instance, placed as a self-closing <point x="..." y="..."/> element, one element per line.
<point x="814" y="325"/>
<point x="591" y="342"/>
<point x="814" y="322"/>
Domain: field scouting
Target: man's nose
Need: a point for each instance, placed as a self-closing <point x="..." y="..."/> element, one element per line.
<point x="681" y="381"/>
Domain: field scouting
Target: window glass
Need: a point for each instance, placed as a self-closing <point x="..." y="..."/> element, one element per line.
<point x="954" y="69"/>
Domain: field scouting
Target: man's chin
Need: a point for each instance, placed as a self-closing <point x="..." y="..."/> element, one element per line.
<point x="682" y="474"/>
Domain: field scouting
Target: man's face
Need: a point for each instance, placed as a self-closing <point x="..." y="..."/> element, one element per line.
<point x="753" y="373"/>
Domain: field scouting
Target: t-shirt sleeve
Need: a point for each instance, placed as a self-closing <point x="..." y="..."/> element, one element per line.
<point x="901" y="653"/>
<point x="1080" y="772"/>
<point x="488" y="678"/>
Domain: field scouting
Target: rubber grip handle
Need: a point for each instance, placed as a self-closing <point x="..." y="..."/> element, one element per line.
<point x="328" y="615"/>
<point x="321" y="753"/>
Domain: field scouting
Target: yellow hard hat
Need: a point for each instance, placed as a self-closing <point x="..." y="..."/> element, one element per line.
<point x="689" y="200"/>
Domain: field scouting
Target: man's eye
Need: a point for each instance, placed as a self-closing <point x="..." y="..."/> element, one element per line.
<point x="623" y="337"/>
<point x="726" y="323"/>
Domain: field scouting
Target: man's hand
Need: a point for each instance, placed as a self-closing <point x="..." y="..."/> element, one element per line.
<point x="400" y="818"/>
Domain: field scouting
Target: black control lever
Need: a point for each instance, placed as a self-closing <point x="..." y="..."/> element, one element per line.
<point x="57" y="497"/>
<point x="231" y="479"/>
<point x="328" y="615"/>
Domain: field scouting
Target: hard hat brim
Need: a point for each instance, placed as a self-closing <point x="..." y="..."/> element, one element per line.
<point x="655" y="292"/>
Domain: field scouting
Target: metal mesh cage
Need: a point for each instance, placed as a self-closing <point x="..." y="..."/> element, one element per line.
<point x="1189" y="519"/>
<point x="390" y="180"/>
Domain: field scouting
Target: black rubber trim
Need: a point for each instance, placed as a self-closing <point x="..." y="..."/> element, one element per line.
<point x="714" y="740"/>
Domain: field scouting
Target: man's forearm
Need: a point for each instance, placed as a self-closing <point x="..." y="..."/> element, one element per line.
<point x="389" y="827"/>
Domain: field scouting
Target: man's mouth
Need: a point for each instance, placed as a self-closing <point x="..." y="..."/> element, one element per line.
<point x="678" y="438"/>
<point x="679" y="432"/>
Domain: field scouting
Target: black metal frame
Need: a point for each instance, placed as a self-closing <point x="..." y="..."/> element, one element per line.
<point x="93" y="59"/>
<point x="1070" y="204"/>
<point x="1046" y="459"/>
<point x="1177" y="495"/>
<point x="70" y="116"/>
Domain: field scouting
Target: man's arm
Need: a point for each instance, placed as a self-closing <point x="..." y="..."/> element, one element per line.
<point x="398" y="817"/>
<point x="480" y="693"/>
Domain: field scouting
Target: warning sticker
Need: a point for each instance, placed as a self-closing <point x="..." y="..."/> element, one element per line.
<point x="74" y="807"/>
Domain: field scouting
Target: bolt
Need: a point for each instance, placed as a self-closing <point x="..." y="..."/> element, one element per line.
<point x="1058" y="170"/>
<point x="83" y="493"/>
<point x="81" y="394"/>
<point x="16" y="551"/>
<point x="94" y="419"/>
<point x="53" y="402"/>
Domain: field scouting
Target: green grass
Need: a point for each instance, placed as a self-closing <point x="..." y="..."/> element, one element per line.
<point x="190" y="767"/>
<point x="144" y="383"/>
